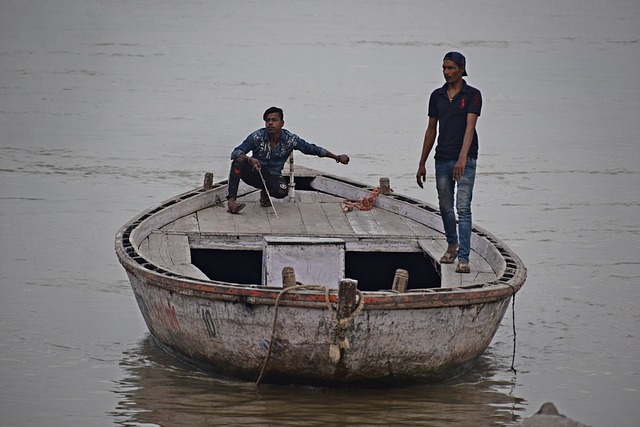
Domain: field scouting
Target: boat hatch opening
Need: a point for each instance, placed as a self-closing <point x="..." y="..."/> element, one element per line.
<point x="237" y="266"/>
<point x="375" y="271"/>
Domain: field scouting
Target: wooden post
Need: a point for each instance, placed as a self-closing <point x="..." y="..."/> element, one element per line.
<point x="385" y="186"/>
<point x="208" y="181"/>
<point x="288" y="277"/>
<point x="400" y="280"/>
<point x="346" y="298"/>
<point x="292" y="184"/>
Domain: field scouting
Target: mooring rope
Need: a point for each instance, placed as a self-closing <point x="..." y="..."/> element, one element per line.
<point x="339" y="326"/>
<point x="513" y="320"/>
<point x="339" y="332"/>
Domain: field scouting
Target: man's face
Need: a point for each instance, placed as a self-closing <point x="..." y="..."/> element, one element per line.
<point x="273" y="123"/>
<point x="452" y="73"/>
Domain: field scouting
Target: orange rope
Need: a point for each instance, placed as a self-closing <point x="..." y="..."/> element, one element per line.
<point x="366" y="204"/>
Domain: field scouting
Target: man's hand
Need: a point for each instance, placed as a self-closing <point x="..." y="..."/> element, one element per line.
<point x="255" y="163"/>
<point x="458" y="169"/>
<point x="343" y="158"/>
<point x="421" y="175"/>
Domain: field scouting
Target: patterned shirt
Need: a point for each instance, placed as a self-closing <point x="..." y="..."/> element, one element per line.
<point x="273" y="160"/>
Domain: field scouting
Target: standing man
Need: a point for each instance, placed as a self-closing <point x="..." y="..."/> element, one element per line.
<point x="453" y="111"/>
<point x="270" y="148"/>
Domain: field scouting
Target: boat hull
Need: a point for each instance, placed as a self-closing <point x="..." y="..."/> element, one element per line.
<point x="386" y="347"/>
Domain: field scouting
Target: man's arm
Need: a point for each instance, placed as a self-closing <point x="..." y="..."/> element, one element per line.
<point x="427" y="145"/>
<point x="313" y="149"/>
<point x="255" y="163"/>
<point x="240" y="152"/>
<point x="340" y="158"/>
<point x="458" y="169"/>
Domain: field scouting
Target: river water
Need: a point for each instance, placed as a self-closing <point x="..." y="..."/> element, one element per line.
<point x="108" y="107"/>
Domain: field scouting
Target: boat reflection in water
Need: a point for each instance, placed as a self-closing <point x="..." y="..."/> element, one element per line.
<point x="159" y="390"/>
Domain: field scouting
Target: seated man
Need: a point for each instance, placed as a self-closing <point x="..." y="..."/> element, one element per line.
<point x="270" y="147"/>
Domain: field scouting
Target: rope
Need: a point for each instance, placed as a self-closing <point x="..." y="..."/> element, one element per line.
<point x="339" y="332"/>
<point x="339" y="326"/>
<point x="513" y="317"/>
<point x="366" y="204"/>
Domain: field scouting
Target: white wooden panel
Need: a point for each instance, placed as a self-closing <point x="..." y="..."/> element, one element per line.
<point x="316" y="261"/>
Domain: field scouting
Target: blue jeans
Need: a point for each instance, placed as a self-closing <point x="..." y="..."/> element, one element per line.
<point x="460" y="234"/>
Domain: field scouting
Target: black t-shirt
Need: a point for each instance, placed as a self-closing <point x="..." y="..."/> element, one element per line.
<point x="452" y="120"/>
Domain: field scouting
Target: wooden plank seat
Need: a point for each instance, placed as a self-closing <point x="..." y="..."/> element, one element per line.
<point x="172" y="252"/>
<point x="481" y="270"/>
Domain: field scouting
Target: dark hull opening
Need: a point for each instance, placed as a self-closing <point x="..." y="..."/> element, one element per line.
<point x="373" y="270"/>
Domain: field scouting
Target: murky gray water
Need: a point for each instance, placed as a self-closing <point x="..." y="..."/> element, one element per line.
<point x="108" y="107"/>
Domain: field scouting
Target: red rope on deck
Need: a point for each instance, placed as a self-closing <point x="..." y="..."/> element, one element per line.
<point x="366" y="204"/>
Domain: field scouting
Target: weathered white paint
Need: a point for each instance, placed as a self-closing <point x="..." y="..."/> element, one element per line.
<point x="232" y="338"/>
<point x="314" y="260"/>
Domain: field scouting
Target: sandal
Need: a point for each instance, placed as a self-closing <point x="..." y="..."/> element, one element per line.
<point x="463" y="267"/>
<point x="264" y="199"/>
<point x="449" y="257"/>
<point x="236" y="208"/>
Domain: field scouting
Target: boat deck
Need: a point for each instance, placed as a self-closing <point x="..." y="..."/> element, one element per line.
<point x="312" y="214"/>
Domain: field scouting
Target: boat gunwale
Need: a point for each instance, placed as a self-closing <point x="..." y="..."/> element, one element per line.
<point x="506" y="285"/>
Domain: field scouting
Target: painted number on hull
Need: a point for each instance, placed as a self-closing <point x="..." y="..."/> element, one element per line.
<point x="208" y="322"/>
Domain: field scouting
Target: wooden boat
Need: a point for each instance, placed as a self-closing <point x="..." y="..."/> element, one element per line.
<point x="310" y="292"/>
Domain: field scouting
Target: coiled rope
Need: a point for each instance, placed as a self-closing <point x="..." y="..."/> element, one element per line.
<point x="338" y="332"/>
<point x="366" y="204"/>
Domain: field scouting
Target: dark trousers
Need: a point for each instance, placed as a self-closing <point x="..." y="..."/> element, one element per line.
<point x="241" y="170"/>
